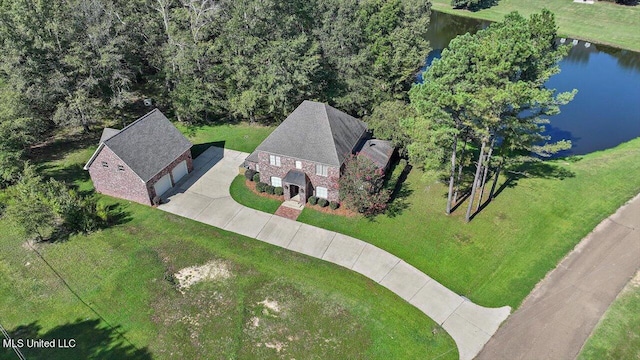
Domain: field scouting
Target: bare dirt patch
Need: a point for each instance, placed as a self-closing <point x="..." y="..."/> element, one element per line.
<point x="270" y="305"/>
<point x="213" y="270"/>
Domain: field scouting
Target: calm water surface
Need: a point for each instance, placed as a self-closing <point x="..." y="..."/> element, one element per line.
<point x="606" y="110"/>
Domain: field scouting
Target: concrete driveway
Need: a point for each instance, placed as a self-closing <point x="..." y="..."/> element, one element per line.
<point x="204" y="196"/>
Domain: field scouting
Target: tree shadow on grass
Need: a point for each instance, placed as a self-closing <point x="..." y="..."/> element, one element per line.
<point x="70" y="175"/>
<point x="540" y="170"/>
<point x="92" y="339"/>
<point x="400" y="194"/>
<point x="198" y="149"/>
<point x="57" y="149"/>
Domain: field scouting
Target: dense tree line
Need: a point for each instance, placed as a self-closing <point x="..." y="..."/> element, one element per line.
<point x="72" y="63"/>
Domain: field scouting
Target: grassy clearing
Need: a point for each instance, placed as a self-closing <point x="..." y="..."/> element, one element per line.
<point x="499" y="257"/>
<point x="603" y="22"/>
<point x="243" y="195"/>
<point x="617" y="336"/>
<point x="242" y="137"/>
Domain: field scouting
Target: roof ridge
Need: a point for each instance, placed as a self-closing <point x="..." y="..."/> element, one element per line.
<point x="334" y="148"/>
<point x="133" y="123"/>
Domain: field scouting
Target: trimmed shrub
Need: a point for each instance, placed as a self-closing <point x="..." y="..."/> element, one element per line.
<point x="256" y="177"/>
<point x="250" y="174"/>
<point x="313" y="200"/>
<point x="323" y="202"/>
<point x="278" y="190"/>
<point x="271" y="190"/>
<point x="334" y="205"/>
<point x="261" y="187"/>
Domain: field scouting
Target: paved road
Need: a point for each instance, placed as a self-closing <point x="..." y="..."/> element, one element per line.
<point x="560" y="314"/>
<point x="204" y="196"/>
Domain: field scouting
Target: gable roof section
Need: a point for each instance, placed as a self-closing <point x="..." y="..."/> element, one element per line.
<point x="108" y="133"/>
<point x="147" y="145"/>
<point x="315" y="132"/>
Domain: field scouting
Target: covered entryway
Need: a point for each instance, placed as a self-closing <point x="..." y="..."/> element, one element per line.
<point x="163" y="184"/>
<point x="294" y="190"/>
<point x="295" y="185"/>
<point x="179" y="171"/>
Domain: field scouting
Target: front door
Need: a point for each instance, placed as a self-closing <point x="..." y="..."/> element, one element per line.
<point x="293" y="191"/>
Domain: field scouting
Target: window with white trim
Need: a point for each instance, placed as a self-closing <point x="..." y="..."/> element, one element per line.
<point x="322" y="170"/>
<point x="298" y="164"/>
<point x="274" y="160"/>
<point x="321" y="192"/>
<point x="276" y="181"/>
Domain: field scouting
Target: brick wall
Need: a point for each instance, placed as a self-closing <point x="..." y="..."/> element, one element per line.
<point x="121" y="184"/>
<point x="167" y="170"/>
<point x="330" y="182"/>
<point x="126" y="184"/>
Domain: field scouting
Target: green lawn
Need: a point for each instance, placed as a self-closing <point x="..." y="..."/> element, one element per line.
<point x="243" y="195"/>
<point x="602" y="22"/>
<point x="241" y="137"/>
<point x="121" y="284"/>
<point x="499" y="257"/>
<point x="617" y="335"/>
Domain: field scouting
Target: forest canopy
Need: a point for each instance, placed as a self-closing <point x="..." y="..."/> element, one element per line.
<point x="257" y="60"/>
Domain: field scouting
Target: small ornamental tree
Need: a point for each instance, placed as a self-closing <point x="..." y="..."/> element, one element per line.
<point x="361" y="187"/>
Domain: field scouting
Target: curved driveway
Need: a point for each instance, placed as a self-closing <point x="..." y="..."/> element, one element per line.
<point x="204" y="196"/>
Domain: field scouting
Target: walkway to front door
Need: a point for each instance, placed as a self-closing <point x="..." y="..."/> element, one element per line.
<point x="290" y="209"/>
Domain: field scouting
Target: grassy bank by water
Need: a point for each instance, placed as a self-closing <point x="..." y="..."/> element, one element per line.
<point x="499" y="257"/>
<point x="603" y="22"/>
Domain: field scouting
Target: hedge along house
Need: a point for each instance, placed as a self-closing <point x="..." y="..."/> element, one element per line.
<point x="305" y="154"/>
<point x="141" y="161"/>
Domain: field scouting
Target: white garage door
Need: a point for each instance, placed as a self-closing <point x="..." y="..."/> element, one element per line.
<point x="179" y="171"/>
<point x="162" y="185"/>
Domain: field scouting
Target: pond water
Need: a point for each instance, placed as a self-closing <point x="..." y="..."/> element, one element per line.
<point x="606" y="110"/>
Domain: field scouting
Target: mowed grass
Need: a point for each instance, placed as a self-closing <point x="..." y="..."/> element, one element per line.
<point x="499" y="256"/>
<point x="603" y="22"/>
<point x="242" y="136"/>
<point x="122" y="303"/>
<point x="617" y="335"/>
<point x="243" y="195"/>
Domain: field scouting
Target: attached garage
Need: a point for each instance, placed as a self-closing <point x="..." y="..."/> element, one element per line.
<point x="163" y="185"/>
<point x="179" y="171"/>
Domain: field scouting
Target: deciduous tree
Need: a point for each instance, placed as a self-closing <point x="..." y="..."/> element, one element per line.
<point x="362" y="186"/>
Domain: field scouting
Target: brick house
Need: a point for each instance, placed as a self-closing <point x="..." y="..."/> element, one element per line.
<point x="305" y="154"/>
<point x="141" y="161"/>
